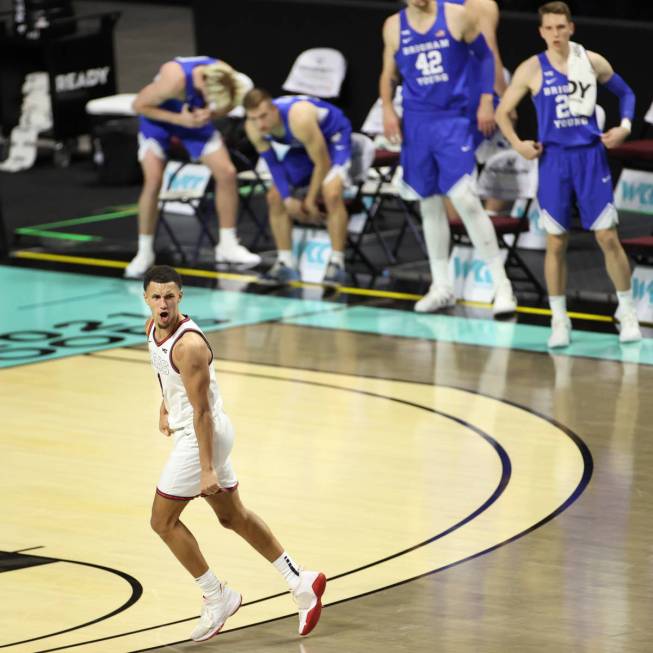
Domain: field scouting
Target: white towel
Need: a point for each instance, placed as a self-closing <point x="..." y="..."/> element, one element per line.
<point x="582" y="78"/>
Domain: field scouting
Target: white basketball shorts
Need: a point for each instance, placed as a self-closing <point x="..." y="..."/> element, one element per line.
<point x="180" y="478"/>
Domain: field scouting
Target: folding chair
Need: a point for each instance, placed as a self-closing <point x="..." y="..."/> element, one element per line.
<point x="185" y="190"/>
<point x="507" y="176"/>
<point x="318" y="72"/>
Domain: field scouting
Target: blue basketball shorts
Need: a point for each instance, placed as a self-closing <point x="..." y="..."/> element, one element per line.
<point x="299" y="167"/>
<point x="437" y="151"/>
<point x="155" y="136"/>
<point x="576" y="173"/>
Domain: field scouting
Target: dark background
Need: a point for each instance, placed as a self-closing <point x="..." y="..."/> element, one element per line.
<point x="263" y="37"/>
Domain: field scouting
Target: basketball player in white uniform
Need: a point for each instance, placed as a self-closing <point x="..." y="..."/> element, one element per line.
<point x="200" y="465"/>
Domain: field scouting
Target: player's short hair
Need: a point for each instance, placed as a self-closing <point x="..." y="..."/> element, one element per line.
<point x="161" y="274"/>
<point x="255" y="97"/>
<point x="561" y="8"/>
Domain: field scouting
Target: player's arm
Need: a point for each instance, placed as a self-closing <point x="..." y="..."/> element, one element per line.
<point x="518" y="88"/>
<point x="488" y="16"/>
<point x="191" y="357"/>
<point x="614" y="83"/>
<point x="389" y="79"/>
<point x="302" y="119"/>
<point x="279" y="177"/>
<point x="472" y="35"/>
<point x="168" y="84"/>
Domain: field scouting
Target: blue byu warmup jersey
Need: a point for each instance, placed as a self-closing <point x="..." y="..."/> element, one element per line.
<point x="194" y="139"/>
<point x="574" y="164"/>
<point x="291" y="153"/>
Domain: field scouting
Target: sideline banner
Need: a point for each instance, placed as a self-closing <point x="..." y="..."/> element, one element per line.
<point x="471" y="277"/>
<point x="642" y="284"/>
<point x="634" y="191"/>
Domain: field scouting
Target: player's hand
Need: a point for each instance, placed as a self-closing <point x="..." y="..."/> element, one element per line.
<point x="312" y="211"/>
<point x="614" y="137"/>
<point x="209" y="482"/>
<point x="294" y="208"/>
<point x="485" y="116"/>
<point x="529" y="149"/>
<point x="194" y="118"/>
<point x="391" y="126"/>
<point x="164" y="426"/>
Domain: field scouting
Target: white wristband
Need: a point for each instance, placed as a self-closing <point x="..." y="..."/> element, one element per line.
<point x="626" y="124"/>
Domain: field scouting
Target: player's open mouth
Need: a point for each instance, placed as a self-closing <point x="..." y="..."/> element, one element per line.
<point x="163" y="314"/>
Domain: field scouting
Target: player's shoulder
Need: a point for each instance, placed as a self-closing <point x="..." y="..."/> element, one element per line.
<point x="190" y="346"/>
<point x="528" y="67"/>
<point x="391" y="25"/>
<point x="302" y="111"/>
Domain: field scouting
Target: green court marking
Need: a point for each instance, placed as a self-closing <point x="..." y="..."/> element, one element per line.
<point x="61" y="235"/>
<point x="99" y="217"/>
<point x="55" y="314"/>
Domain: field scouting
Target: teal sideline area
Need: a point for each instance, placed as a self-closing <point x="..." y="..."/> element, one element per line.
<point x="50" y="315"/>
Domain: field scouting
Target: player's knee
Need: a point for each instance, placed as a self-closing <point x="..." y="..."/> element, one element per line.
<point x="608" y="240"/>
<point x="161" y="525"/>
<point x="152" y="184"/>
<point x="332" y="198"/>
<point x="225" y="174"/>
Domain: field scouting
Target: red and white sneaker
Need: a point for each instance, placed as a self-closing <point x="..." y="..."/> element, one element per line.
<point x="215" y="613"/>
<point x="308" y="597"/>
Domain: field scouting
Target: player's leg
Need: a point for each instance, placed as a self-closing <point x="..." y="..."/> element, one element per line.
<point x="420" y="179"/>
<point x="151" y="155"/>
<point x="216" y="157"/>
<point x="437" y="237"/>
<point x="307" y="587"/>
<point x="166" y="524"/>
<point x="593" y="184"/>
<point x="456" y="163"/>
<point x="283" y="270"/>
<point x="337" y="220"/>
<point x="555" y="192"/>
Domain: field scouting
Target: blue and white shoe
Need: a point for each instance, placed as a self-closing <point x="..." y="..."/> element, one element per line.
<point x="279" y="275"/>
<point x="335" y="275"/>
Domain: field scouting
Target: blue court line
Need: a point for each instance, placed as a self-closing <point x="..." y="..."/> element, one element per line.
<point x="49" y="315"/>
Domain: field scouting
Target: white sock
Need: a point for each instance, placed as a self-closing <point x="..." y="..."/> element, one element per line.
<point x="228" y="236"/>
<point x="289" y="569"/>
<point x="495" y="264"/>
<point x="285" y="256"/>
<point x="626" y="304"/>
<point x="338" y="258"/>
<point x="437" y="236"/>
<point x="210" y="585"/>
<point x="558" y="304"/>
<point x="145" y="245"/>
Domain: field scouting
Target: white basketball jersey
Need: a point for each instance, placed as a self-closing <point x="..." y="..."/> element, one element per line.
<point x="180" y="410"/>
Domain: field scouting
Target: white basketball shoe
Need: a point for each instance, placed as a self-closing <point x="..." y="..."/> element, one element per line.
<point x="560" y="332"/>
<point x="504" y="299"/>
<point x="629" y="330"/>
<point x="308" y="596"/>
<point x="139" y="265"/>
<point x="236" y="254"/>
<point x="437" y="298"/>
<point x="215" y="613"/>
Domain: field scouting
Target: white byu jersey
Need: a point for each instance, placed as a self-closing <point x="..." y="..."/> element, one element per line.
<point x="180" y="410"/>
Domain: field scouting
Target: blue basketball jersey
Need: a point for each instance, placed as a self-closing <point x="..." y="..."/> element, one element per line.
<point x="433" y="66"/>
<point x="194" y="99"/>
<point x="330" y="118"/>
<point x="556" y="125"/>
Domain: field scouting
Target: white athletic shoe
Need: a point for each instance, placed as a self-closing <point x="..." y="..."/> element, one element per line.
<point x="236" y="254"/>
<point x="560" y="333"/>
<point x="504" y="299"/>
<point x="308" y="597"/>
<point x="629" y="330"/>
<point x="215" y="613"/>
<point x="139" y="265"/>
<point x="437" y="298"/>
